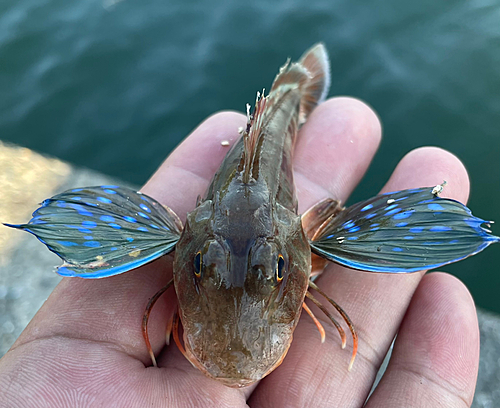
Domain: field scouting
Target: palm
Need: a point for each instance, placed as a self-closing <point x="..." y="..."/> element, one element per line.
<point x="85" y="348"/>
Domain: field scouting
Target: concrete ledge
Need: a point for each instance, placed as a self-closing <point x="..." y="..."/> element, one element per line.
<point x="26" y="280"/>
<point x="26" y="266"/>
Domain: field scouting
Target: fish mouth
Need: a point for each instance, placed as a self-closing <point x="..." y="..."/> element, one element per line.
<point x="229" y="381"/>
<point x="232" y="382"/>
<point x="242" y="382"/>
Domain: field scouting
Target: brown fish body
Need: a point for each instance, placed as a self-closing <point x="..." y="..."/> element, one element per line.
<point x="243" y="262"/>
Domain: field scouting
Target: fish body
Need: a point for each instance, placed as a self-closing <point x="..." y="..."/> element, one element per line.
<point x="240" y="290"/>
<point x="244" y="243"/>
<point x="244" y="258"/>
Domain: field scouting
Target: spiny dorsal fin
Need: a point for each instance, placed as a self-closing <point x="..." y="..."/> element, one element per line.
<point x="311" y="76"/>
<point x="251" y="134"/>
<point x="291" y="77"/>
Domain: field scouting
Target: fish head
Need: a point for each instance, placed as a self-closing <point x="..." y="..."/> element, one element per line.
<point x="240" y="292"/>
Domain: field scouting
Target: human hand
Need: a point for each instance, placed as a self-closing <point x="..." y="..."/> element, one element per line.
<point x="84" y="348"/>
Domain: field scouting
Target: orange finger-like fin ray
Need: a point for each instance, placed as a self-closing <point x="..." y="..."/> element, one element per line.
<point x="168" y="331"/>
<point x="316" y="321"/>
<point x="145" y="319"/>
<point x="175" y="333"/>
<point x="346" y="319"/>
<point x="329" y="315"/>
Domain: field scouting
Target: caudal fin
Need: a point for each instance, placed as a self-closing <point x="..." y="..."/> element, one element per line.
<point x="316" y="62"/>
<point x="311" y="74"/>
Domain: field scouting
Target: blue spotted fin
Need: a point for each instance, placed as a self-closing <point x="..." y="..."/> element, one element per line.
<point x="404" y="231"/>
<point x="103" y="231"/>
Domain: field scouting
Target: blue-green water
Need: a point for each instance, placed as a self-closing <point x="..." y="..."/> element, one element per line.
<point x="115" y="87"/>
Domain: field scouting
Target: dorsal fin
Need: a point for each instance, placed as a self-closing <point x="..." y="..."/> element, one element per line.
<point x="310" y="75"/>
<point x="290" y="77"/>
<point x="251" y="133"/>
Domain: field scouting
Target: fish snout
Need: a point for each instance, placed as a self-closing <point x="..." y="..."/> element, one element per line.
<point x="237" y="364"/>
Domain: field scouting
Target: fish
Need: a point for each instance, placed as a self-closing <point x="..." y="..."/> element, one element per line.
<point x="245" y="260"/>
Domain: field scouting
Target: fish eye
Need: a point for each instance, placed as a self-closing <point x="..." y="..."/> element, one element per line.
<point x="280" y="268"/>
<point x="198" y="264"/>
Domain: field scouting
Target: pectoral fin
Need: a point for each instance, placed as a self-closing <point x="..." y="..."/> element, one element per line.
<point x="404" y="231"/>
<point x="104" y="231"/>
<point x="312" y="221"/>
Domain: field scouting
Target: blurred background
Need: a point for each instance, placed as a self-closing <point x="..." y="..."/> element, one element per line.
<point x="114" y="86"/>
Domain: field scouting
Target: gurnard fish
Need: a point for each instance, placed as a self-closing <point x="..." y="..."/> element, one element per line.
<point x="244" y="259"/>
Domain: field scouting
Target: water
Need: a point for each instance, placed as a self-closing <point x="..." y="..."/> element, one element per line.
<point x="115" y="86"/>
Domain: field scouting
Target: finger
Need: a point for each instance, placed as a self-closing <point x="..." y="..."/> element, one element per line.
<point x="430" y="166"/>
<point x="376" y="304"/>
<point x="111" y="309"/>
<point x="436" y="354"/>
<point x="186" y="173"/>
<point x="334" y="149"/>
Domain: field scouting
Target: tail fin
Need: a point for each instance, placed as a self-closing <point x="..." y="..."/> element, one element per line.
<point x="311" y="74"/>
<point x="316" y="62"/>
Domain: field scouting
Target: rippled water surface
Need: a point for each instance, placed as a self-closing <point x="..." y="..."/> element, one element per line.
<point x="114" y="86"/>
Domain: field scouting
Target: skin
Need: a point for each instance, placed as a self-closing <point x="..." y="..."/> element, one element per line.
<point x="84" y="347"/>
